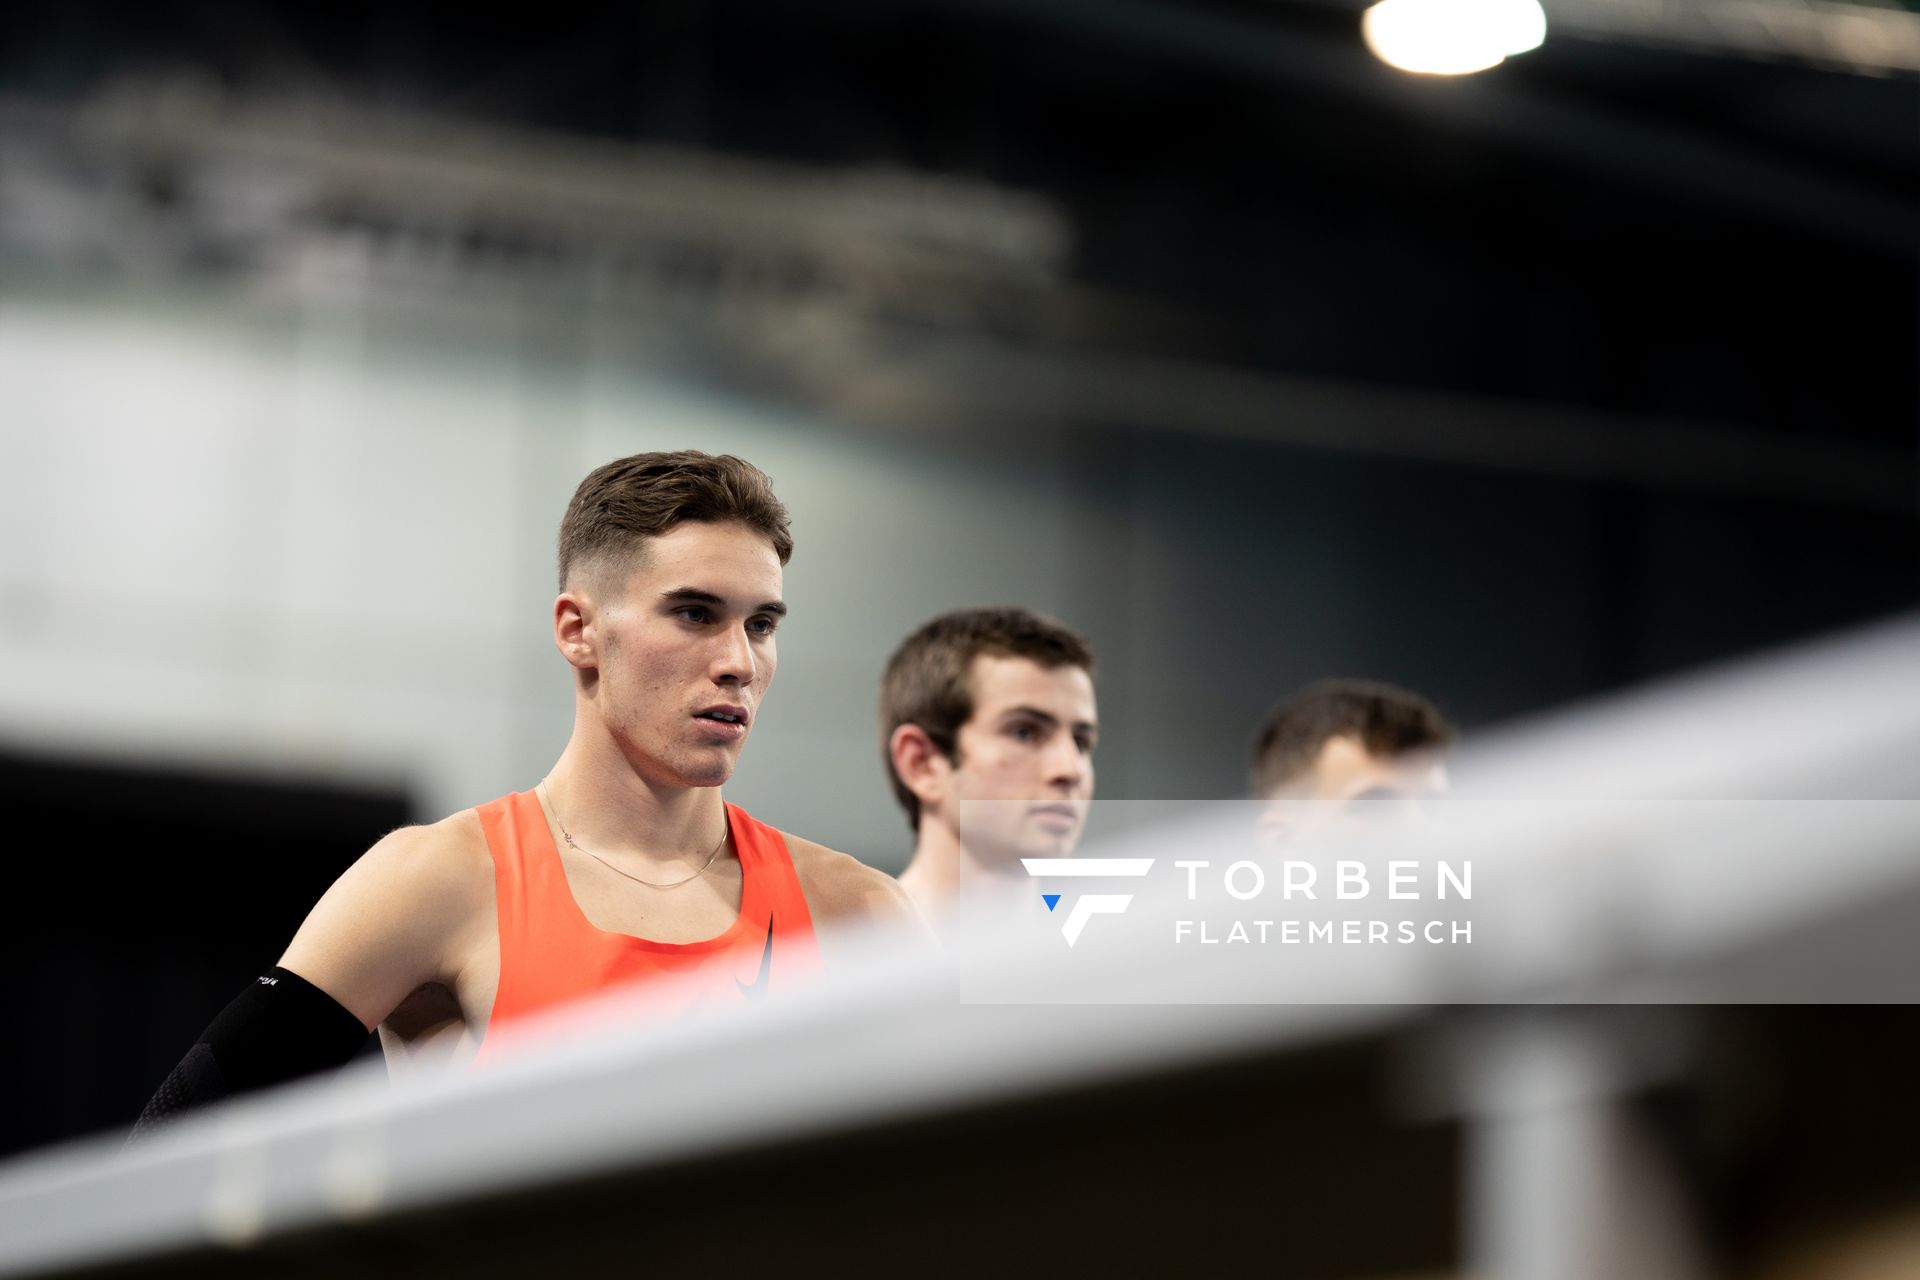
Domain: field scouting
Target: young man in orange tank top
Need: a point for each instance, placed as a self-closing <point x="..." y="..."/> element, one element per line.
<point x="670" y="573"/>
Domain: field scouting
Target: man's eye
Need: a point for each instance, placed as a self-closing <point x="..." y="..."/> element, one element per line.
<point x="763" y="626"/>
<point x="1025" y="733"/>
<point x="692" y="613"/>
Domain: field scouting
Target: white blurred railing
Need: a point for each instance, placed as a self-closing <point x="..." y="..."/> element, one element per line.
<point x="1553" y="1165"/>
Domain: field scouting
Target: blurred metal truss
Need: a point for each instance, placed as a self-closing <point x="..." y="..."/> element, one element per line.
<point x="1863" y="38"/>
<point x="170" y="179"/>
<point x="877" y="295"/>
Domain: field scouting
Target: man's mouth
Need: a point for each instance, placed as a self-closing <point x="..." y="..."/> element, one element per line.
<point x="1054" y="814"/>
<point x="724" y="721"/>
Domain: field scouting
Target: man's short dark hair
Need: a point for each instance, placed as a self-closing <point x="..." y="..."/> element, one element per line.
<point x="1387" y="720"/>
<point x="926" y="682"/>
<point x="649" y="494"/>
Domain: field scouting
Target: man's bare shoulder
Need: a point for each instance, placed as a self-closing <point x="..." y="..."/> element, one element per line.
<point x="448" y="855"/>
<point x="408" y="912"/>
<point x="841" y="887"/>
<point x="432" y="881"/>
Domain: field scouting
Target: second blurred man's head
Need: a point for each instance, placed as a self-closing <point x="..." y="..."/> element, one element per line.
<point x="988" y="704"/>
<point x="1343" y="752"/>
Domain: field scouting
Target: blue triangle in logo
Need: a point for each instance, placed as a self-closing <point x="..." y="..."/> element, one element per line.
<point x="1051" y="899"/>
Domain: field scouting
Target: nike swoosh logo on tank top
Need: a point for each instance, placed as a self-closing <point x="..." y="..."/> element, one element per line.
<point x="758" y="987"/>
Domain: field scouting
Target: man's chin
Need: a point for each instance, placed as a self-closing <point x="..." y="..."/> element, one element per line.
<point x="1060" y="846"/>
<point x="709" y="768"/>
<point x="709" y="777"/>
<point x="1005" y="858"/>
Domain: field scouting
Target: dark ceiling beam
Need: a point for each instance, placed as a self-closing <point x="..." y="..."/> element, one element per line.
<point x="1664" y="158"/>
<point x="952" y="382"/>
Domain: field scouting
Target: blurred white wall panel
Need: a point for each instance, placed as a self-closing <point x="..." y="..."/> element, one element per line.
<point x="320" y="541"/>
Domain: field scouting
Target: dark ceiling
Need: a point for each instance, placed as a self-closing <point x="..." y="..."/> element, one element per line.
<point x="1623" y="227"/>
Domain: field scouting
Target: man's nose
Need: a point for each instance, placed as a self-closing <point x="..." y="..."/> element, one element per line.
<point x="733" y="661"/>
<point x="1066" y="764"/>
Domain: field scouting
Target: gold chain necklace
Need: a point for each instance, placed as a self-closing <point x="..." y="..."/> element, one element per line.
<point x="651" y="884"/>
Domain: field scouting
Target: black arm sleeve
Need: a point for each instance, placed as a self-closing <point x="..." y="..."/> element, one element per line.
<point x="278" y="1029"/>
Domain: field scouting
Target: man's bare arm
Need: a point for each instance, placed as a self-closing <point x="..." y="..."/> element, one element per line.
<point x="841" y="891"/>
<point x="397" y="918"/>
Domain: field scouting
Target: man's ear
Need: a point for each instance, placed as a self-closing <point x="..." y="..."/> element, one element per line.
<point x="573" y="630"/>
<point x="919" y="764"/>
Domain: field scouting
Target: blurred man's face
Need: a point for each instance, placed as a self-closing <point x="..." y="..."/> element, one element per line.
<point x="1349" y="790"/>
<point x="1029" y="744"/>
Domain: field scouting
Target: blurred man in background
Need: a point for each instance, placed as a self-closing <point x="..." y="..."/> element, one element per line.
<point x="988" y="705"/>
<point x="1345" y="750"/>
<point x="624" y="864"/>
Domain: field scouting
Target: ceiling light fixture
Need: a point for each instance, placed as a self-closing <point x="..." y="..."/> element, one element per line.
<point x="1452" y="37"/>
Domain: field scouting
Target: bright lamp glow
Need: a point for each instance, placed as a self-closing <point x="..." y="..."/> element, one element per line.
<point x="1452" y="37"/>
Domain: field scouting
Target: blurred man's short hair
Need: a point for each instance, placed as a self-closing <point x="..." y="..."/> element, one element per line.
<point x="926" y="679"/>
<point x="1386" y="720"/>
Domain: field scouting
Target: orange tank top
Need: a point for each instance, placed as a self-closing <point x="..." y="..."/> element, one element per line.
<point x="551" y="954"/>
